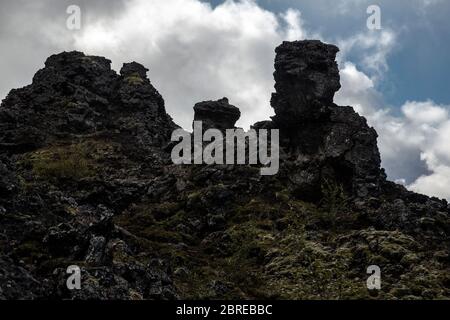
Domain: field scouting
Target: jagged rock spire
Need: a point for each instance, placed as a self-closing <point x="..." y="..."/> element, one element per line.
<point x="306" y="78"/>
<point x="336" y="141"/>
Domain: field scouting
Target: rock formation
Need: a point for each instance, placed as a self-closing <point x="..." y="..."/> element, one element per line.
<point x="306" y="79"/>
<point x="77" y="94"/>
<point x="216" y="114"/>
<point x="331" y="142"/>
<point x="86" y="179"/>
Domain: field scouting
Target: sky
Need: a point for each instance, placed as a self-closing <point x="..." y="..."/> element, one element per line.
<point x="397" y="77"/>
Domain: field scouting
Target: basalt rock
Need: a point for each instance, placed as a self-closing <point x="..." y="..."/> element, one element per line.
<point x="76" y="94"/>
<point x="77" y="146"/>
<point x="134" y="69"/>
<point x="306" y="79"/>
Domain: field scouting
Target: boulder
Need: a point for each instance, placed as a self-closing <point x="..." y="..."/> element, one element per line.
<point x="216" y="114"/>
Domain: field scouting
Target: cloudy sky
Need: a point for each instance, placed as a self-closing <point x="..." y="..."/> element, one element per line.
<point x="397" y="77"/>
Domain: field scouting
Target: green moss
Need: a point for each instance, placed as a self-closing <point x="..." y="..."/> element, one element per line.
<point x="154" y="227"/>
<point x="277" y="247"/>
<point x="194" y="195"/>
<point x="25" y="186"/>
<point x="134" y="79"/>
<point x="393" y="251"/>
<point x="160" y="235"/>
<point x="30" y="251"/>
<point x="255" y="208"/>
<point x="74" y="161"/>
<point x="62" y="162"/>
<point x="147" y="216"/>
<point x="283" y="195"/>
<point x="70" y="104"/>
<point x="49" y="265"/>
<point x="334" y="199"/>
<point x="165" y="210"/>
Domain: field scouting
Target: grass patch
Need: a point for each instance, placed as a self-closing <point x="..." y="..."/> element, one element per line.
<point x="62" y="162"/>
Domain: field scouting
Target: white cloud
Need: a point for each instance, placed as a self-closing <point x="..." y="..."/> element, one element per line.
<point x="414" y="145"/>
<point x="420" y="133"/>
<point x="372" y="48"/>
<point x="427" y="3"/>
<point x="197" y="52"/>
<point x="424" y="112"/>
<point x="435" y="184"/>
<point x="295" y="27"/>
<point x="357" y="89"/>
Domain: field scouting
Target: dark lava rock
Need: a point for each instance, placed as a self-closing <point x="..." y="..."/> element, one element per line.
<point x="216" y="114"/>
<point x="306" y="77"/>
<point x="333" y="142"/>
<point x="17" y="283"/>
<point x="76" y="94"/>
<point x="134" y="69"/>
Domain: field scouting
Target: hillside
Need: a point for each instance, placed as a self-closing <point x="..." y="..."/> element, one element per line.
<point x="86" y="179"/>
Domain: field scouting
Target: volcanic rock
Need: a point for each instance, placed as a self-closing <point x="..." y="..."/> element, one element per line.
<point x="337" y="142"/>
<point x="216" y="114"/>
<point x="306" y="78"/>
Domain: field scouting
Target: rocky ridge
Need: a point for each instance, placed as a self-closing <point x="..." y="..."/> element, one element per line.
<point x="86" y="179"/>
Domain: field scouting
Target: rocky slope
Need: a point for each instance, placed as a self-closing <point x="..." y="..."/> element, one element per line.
<point x="86" y="179"/>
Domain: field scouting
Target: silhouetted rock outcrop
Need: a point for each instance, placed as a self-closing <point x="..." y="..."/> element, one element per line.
<point x="306" y="79"/>
<point x="86" y="179"/>
<point x="77" y="94"/>
<point x="329" y="141"/>
<point x="216" y="114"/>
